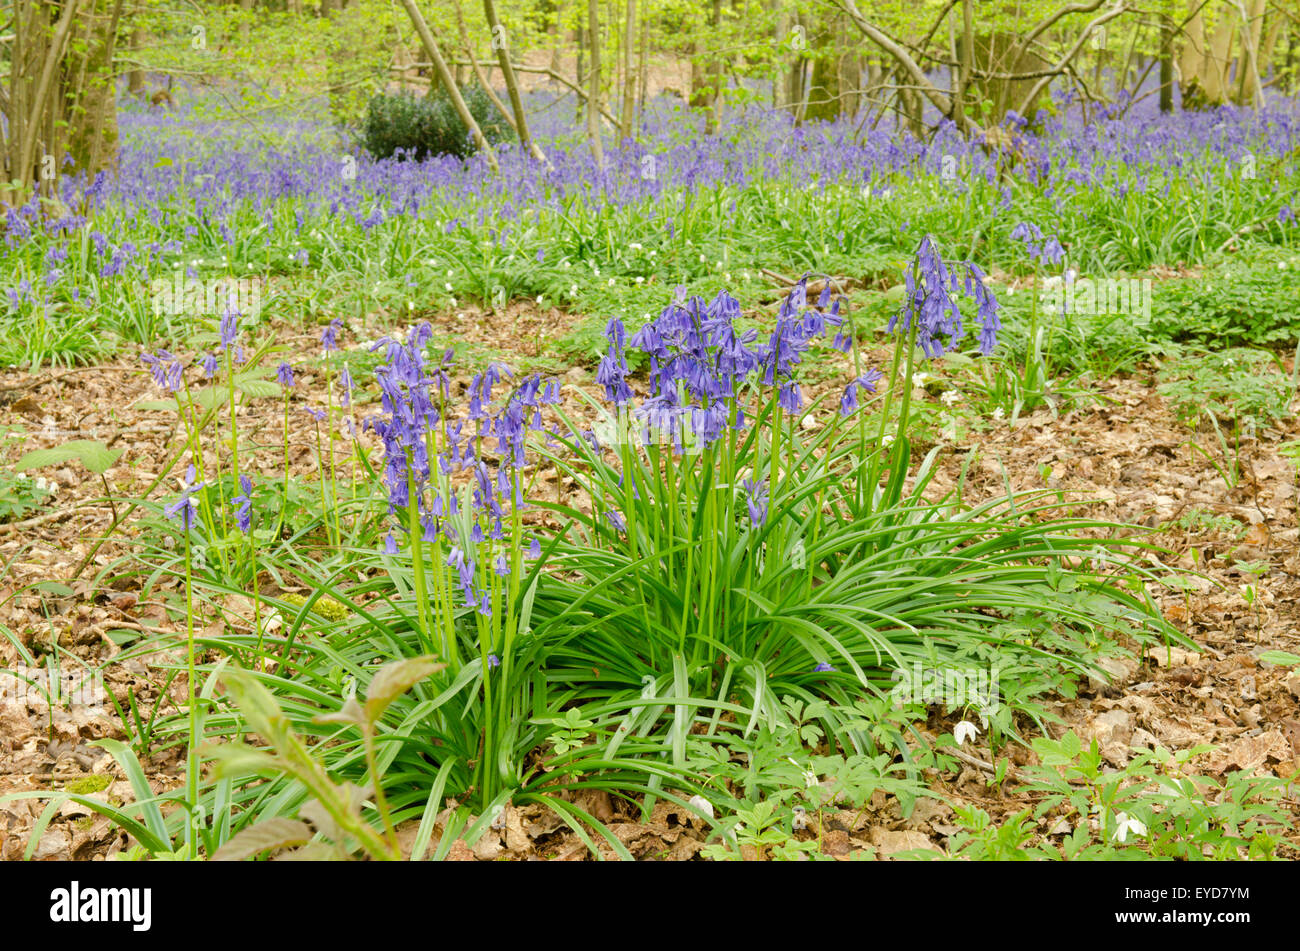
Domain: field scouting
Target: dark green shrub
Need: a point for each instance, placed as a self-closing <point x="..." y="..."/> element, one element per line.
<point x="427" y="125"/>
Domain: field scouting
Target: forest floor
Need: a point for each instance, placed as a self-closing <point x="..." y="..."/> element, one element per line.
<point x="1125" y="450"/>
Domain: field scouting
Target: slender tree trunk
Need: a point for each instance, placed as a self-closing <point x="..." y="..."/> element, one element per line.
<point x="1166" y="63"/>
<point x="967" y="59"/>
<point x="1248" y="84"/>
<point x="557" y="37"/>
<point x="629" y="71"/>
<point x="135" y="78"/>
<point x="593" y="83"/>
<point x="580" y="34"/>
<point x="643" y="70"/>
<point x="715" y="71"/>
<point x="500" y="41"/>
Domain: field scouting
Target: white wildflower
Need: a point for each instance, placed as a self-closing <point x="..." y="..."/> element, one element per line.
<point x="1127" y="824"/>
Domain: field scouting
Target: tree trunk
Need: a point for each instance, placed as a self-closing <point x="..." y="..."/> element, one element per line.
<point x="593" y="83"/>
<point x="629" y="71"/>
<point x="579" y="35"/>
<point x="557" y="37"/>
<point x="1166" y="63"/>
<point x="967" y="59"/>
<point x="501" y="42"/>
<point x="714" y="72"/>
<point x="643" y="71"/>
<point x="1248" y="67"/>
<point x="135" y="78"/>
<point x="824" y="88"/>
<point x="61" y="100"/>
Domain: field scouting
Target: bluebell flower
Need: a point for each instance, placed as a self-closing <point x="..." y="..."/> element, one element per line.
<point x="849" y="400"/>
<point x="165" y="369"/>
<point x="228" y="329"/>
<point x="187" y="505"/>
<point x="612" y="371"/>
<point x="930" y="309"/>
<point x="244" y="514"/>
<point x="1052" y="252"/>
<point x="329" y="338"/>
<point x="790" y="398"/>
<point x="345" y="387"/>
<point x="756" y="500"/>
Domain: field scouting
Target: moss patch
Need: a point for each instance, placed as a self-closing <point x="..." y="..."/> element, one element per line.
<point x="326" y="607"/>
<point x="88" y="785"/>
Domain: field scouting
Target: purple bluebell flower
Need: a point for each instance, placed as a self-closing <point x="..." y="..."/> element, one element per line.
<point x="790" y="398"/>
<point x="165" y="369"/>
<point x="849" y="400"/>
<point x="930" y="309"/>
<point x="613" y="366"/>
<point x="284" y="375"/>
<point x="823" y="668"/>
<point x="187" y="505"/>
<point x="228" y="328"/>
<point x="1052" y="252"/>
<point x="329" y="338"/>
<point x="1048" y="252"/>
<point x="345" y="387"/>
<point x="244" y="514"/>
<point x="756" y="500"/>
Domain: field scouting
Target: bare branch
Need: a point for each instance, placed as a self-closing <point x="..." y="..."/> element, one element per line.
<point x="1074" y="51"/>
<point x="937" y="97"/>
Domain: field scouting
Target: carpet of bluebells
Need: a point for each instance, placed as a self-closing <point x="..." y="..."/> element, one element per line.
<point x="693" y="577"/>
<point x="294" y="205"/>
